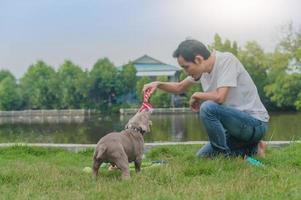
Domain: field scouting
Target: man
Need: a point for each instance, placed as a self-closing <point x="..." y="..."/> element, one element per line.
<point x="231" y="110"/>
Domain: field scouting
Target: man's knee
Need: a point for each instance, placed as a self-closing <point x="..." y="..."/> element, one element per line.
<point x="207" y="108"/>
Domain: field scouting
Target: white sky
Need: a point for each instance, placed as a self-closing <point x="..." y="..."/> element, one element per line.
<point x="122" y="30"/>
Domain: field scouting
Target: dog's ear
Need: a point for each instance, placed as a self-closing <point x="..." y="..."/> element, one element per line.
<point x="140" y="120"/>
<point x="127" y="126"/>
<point x="131" y="121"/>
<point x="144" y="122"/>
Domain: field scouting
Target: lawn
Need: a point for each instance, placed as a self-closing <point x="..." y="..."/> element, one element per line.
<point x="40" y="173"/>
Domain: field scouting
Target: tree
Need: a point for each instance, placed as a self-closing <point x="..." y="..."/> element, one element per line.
<point x="290" y="42"/>
<point x="71" y="80"/>
<point x="139" y="86"/>
<point x="226" y="46"/>
<point x="128" y="77"/>
<point x="234" y="48"/>
<point x="217" y="43"/>
<point x="10" y="98"/>
<point x="5" y="73"/>
<point x="39" y="86"/>
<point x="161" y="99"/>
<point x="103" y="77"/>
<point x="255" y="61"/>
<point x="126" y="90"/>
<point x="284" y="85"/>
<point x="298" y="102"/>
<point x="286" y="91"/>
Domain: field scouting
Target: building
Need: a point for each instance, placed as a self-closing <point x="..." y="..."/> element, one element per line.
<point x="150" y="67"/>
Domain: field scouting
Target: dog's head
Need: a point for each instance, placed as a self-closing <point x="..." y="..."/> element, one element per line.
<point x="140" y="121"/>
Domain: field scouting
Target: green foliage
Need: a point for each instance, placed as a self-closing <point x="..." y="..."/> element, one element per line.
<point x="127" y="89"/>
<point x="290" y="42"/>
<point x="226" y="46"/>
<point x="298" y="102"/>
<point x="161" y="99"/>
<point x="39" y="86"/>
<point x="285" y="90"/>
<point x="104" y="83"/>
<point x="5" y="73"/>
<point x="255" y="61"/>
<point x="139" y="86"/>
<point x="129" y="79"/>
<point x="217" y="44"/>
<point x="10" y="98"/>
<point x="73" y="86"/>
<point x="70" y="87"/>
<point x="284" y="85"/>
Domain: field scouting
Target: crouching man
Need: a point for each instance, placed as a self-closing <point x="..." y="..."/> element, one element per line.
<point x="230" y="108"/>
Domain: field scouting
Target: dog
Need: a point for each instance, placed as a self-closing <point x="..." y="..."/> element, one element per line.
<point x="120" y="148"/>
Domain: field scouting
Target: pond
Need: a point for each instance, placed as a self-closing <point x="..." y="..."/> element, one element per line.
<point x="169" y="127"/>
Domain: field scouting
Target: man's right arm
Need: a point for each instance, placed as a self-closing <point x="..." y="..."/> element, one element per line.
<point x="173" y="87"/>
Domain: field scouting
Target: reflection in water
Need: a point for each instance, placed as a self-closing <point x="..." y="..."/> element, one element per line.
<point x="169" y="127"/>
<point x="177" y="127"/>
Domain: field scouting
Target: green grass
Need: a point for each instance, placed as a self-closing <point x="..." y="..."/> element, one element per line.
<point x="38" y="173"/>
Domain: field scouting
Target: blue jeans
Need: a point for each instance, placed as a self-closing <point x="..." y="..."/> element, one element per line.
<point x="231" y="132"/>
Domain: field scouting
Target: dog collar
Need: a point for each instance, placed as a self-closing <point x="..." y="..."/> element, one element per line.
<point x="139" y="130"/>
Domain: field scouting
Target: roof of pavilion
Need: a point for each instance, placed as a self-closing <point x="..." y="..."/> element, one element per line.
<point x="148" y="66"/>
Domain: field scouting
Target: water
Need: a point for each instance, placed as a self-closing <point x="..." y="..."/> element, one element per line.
<point x="171" y="127"/>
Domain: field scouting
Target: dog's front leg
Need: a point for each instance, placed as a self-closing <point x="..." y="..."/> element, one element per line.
<point x="138" y="162"/>
<point x="125" y="173"/>
<point x="123" y="165"/>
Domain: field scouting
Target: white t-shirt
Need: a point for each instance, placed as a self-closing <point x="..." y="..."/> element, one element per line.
<point x="229" y="72"/>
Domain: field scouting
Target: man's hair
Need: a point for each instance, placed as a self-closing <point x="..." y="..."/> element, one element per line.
<point x="189" y="49"/>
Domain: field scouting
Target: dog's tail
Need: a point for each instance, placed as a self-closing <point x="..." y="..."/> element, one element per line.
<point x="98" y="152"/>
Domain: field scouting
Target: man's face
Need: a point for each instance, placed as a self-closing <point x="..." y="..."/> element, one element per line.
<point x="195" y="70"/>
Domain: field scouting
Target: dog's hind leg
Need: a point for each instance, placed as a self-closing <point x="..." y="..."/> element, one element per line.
<point x="96" y="165"/>
<point x="97" y="161"/>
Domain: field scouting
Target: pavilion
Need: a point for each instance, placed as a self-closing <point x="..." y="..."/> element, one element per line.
<point x="153" y="68"/>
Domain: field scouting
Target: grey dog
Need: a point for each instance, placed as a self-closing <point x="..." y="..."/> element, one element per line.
<point x="120" y="148"/>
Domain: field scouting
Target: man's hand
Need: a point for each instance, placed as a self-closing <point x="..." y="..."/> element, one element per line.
<point x="194" y="102"/>
<point x="152" y="86"/>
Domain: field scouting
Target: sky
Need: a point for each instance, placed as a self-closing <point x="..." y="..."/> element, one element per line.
<point x="84" y="31"/>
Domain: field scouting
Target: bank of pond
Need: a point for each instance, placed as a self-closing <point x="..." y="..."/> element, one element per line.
<point x="166" y="127"/>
